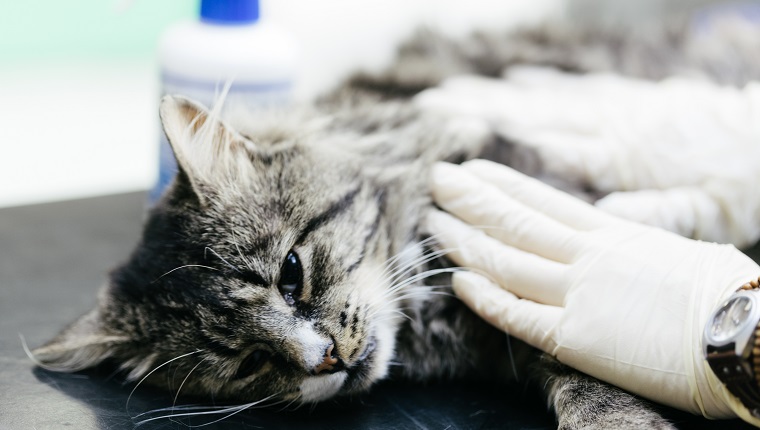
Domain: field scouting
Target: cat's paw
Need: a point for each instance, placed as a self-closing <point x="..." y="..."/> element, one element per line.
<point x="621" y="420"/>
<point x="582" y="402"/>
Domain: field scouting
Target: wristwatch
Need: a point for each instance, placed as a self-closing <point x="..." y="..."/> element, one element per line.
<point x="732" y="345"/>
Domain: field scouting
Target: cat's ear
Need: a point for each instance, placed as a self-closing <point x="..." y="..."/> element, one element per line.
<point x="81" y="345"/>
<point x="208" y="152"/>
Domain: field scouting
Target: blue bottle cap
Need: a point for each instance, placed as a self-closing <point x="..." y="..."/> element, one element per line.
<point x="229" y="12"/>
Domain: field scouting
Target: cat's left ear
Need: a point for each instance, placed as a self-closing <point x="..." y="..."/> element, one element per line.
<point x="81" y="345"/>
<point x="210" y="153"/>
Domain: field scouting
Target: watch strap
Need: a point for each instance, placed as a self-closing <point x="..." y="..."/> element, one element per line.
<point x="738" y="378"/>
<point x="741" y="375"/>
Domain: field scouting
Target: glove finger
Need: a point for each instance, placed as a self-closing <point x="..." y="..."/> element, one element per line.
<point x="528" y="321"/>
<point x="539" y="196"/>
<point x="483" y="205"/>
<point x="527" y="275"/>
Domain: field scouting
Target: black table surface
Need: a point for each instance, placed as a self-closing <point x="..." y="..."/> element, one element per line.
<point x="53" y="257"/>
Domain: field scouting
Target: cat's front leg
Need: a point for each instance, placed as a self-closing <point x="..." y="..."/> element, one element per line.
<point x="583" y="402"/>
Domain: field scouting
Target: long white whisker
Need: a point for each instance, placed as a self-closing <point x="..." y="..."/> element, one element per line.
<point x="291" y="402"/>
<point x="219" y="257"/>
<point x="185" y="380"/>
<point x="422" y="275"/>
<point x="392" y="261"/>
<point x="420" y="243"/>
<point x="183" y="267"/>
<point x="419" y="294"/>
<point x="152" y="371"/>
<point x="180" y="408"/>
<point x="240" y="253"/>
<point x="418" y="291"/>
<point x="421" y="260"/>
<point x="233" y="409"/>
<point x="392" y="316"/>
<point x="409" y="266"/>
<point x="395" y="276"/>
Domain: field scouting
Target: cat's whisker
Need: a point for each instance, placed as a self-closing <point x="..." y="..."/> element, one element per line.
<point x="390" y="315"/>
<point x="176" y="396"/>
<point x="401" y="299"/>
<point x="232" y="409"/>
<point x="426" y="256"/>
<point x="206" y="249"/>
<point x="295" y="399"/>
<point x="419" y="262"/>
<point x="183" y="267"/>
<point x="511" y="355"/>
<point x="180" y="408"/>
<point x="298" y="406"/>
<point x="413" y="289"/>
<point x="420" y="276"/>
<point x="421" y="243"/>
<point x="153" y="371"/>
<point x="269" y="405"/>
<point x="421" y="292"/>
<point x="390" y="264"/>
<point x="240" y="253"/>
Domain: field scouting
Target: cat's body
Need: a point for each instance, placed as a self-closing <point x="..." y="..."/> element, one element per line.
<point x="285" y="270"/>
<point x="287" y="261"/>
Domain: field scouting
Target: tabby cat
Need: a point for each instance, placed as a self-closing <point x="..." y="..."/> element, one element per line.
<point x="288" y="259"/>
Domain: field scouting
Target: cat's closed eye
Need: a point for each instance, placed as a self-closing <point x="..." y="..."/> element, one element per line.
<point x="252" y="363"/>
<point x="291" y="278"/>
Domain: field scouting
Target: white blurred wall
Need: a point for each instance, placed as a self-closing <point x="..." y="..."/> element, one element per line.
<point x="76" y="128"/>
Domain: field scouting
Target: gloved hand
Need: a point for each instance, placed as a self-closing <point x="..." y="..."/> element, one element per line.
<point x="620" y="301"/>
<point x="675" y="154"/>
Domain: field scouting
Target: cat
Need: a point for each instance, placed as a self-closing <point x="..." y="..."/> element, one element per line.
<point x="289" y="260"/>
<point x="284" y="265"/>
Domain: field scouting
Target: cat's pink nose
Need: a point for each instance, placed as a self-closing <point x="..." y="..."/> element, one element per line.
<point x="331" y="363"/>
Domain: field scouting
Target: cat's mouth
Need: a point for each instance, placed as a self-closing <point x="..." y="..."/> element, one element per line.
<point x="361" y="369"/>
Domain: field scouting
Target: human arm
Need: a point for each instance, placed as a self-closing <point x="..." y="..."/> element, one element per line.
<point x="620" y="301"/>
<point x="676" y="154"/>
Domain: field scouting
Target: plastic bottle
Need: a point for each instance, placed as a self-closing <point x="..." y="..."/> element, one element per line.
<point x="228" y="44"/>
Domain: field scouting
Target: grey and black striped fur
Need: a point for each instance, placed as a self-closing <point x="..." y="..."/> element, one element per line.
<point x="287" y="261"/>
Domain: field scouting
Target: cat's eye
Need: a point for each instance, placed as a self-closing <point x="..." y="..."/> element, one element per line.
<point x="291" y="278"/>
<point x="252" y="363"/>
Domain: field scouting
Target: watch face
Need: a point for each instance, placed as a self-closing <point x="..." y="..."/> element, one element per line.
<point x="730" y="319"/>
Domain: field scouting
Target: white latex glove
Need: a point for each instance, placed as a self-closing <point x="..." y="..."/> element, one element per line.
<point x="680" y="154"/>
<point x="623" y="302"/>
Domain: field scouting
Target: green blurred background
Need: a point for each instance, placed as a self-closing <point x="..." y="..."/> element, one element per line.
<point x="55" y="29"/>
<point x="79" y="79"/>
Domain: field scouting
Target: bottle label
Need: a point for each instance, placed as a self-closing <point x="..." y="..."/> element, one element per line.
<point x="249" y="96"/>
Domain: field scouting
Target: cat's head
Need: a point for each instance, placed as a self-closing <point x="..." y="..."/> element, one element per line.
<point x="259" y="273"/>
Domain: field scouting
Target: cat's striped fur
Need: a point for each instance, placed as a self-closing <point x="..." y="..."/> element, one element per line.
<point x="283" y="261"/>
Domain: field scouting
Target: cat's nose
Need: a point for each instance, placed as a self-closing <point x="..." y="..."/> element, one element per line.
<point x="331" y="363"/>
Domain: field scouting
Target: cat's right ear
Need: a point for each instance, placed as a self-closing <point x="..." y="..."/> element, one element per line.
<point x="208" y="152"/>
